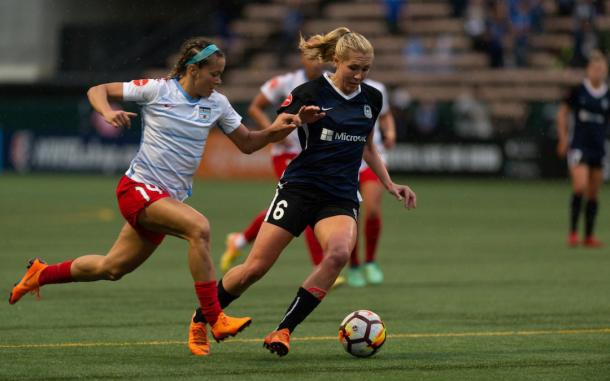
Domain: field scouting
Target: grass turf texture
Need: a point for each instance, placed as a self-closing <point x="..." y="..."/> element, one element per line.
<point x="476" y="263"/>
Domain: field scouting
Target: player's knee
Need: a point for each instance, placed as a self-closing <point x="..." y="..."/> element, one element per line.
<point x="199" y="229"/>
<point x="373" y="213"/>
<point x="579" y="190"/>
<point x="253" y="273"/>
<point x="337" y="256"/>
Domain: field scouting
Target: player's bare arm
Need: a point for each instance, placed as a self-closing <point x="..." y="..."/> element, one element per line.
<point x="373" y="160"/>
<point x="388" y="128"/>
<point x="250" y="141"/>
<point x="98" y="97"/>
<point x="562" y="129"/>
<point x="256" y="111"/>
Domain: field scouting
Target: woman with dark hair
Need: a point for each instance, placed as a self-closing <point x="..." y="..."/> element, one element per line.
<point x="177" y="114"/>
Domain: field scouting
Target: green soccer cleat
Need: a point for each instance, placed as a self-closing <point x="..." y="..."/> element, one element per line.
<point x="373" y="273"/>
<point x="355" y="277"/>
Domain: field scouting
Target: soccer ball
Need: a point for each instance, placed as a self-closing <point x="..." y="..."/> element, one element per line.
<point x="362" y="333"/>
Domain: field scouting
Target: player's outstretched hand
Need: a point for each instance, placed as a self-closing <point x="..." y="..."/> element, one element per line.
<point x="404" y="193"/>
<point x="310" y="114"/>
<point x="285" y="121"/>
<point x="119" y="118"/>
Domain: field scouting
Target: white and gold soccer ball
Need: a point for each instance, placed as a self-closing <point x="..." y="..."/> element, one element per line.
<point x="362" y="333"/>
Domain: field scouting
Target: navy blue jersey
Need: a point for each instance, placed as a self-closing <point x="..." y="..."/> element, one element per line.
<point x="333" y="146"/>
<point x="591" y="111"/>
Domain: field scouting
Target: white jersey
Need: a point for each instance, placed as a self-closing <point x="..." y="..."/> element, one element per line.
<point x="276" y="90"/>
<point x="175" y="128"/>
<point x="385" y="108"/>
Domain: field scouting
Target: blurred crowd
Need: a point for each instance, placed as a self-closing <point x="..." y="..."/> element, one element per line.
<point x="504" y="28"/>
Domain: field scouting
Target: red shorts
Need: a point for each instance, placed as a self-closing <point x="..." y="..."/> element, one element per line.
<point x="280" y="163"/>
<point x="133" y="198"/>
<point x="368" y="175"/>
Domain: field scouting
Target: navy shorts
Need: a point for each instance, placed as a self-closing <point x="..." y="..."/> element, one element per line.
<point x="592" y="159"/>
<point x="295" y="206"/>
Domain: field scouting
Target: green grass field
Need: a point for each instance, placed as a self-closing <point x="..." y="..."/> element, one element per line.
<point x="479" y="286"/>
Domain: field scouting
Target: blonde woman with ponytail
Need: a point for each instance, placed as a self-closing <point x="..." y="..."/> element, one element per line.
<point x="320" y="186"/>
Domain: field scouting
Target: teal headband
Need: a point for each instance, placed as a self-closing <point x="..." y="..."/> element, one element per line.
<point x="205" y="53"/>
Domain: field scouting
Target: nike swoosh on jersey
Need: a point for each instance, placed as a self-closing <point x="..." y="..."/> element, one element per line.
<point x="327" y="108"/>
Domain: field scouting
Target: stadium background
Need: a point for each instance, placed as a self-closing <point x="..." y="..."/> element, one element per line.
<point x="479" y="282"/>
<point x="474" y="85"/>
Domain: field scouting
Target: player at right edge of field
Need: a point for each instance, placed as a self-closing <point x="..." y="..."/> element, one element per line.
<point x="584" y="146"/>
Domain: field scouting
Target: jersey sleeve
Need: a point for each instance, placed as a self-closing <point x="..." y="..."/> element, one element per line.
<point x="229" y="119"/>
<point x="376" y="99"/>
<point x="141" y="91"/>
<point x="571" y="97"/>
<point x="295" y="100"/>
<point x="275" y="89"/>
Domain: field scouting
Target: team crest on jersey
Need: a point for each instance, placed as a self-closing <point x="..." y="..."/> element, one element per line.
<point x="205" y="113"/>
<point x="274" y="83"/>
<point x="287" y="101"/>
<point x="368" y="112"/>
<point x="140" y="82"/>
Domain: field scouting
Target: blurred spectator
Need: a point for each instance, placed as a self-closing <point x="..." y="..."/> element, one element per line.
<point x="444" y="52"/>
<point x="498" y="28"/>
<point x="474" y="24"/>
<point x="458" y="7"/>
<point x="426" y="118"/>
<point x="393" y="10"/>
<point x="585" y="10"/>
<point x="585" y="41"/>
<point x="584" y="35"/>
<point x="537" y="15"/>
<point x="471" y="117"/>
<point x="289" y="33"/>
<point x="521" y="25"/>
<point x="565" y="7"/>
<point x="413" y="52"/>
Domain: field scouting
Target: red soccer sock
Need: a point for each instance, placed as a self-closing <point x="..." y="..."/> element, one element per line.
<point x="372" y="230"/>
<point x="251" y="231"/>
<point x="57" y="273"/>
<point x="315" y="250"/>
<point x="354" y="261"/>
<point x="207" y="294"/>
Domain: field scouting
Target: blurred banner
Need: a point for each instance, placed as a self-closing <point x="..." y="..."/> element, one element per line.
<point x="59" y="132"/>
<point x="29" y="151"/>
<point x="222" y="160"/>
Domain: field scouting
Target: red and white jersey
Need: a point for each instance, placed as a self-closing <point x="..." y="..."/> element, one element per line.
<point x="276" y="90"/>
<point x="175" y="127"/>
<point x="385" y="108"/>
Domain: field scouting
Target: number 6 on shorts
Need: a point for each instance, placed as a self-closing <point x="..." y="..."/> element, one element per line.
<point x="278" y="212"/>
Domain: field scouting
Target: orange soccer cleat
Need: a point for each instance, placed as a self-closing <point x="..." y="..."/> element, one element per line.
<point x="198" y="338"/>
<point x="231" y="253"/>
<point x="227" y="326"/>
<point x="29" y="282"/>
<point x="278" y="342"/>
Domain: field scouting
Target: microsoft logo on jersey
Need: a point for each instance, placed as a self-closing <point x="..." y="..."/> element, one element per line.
<point x="330" y="135"/>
